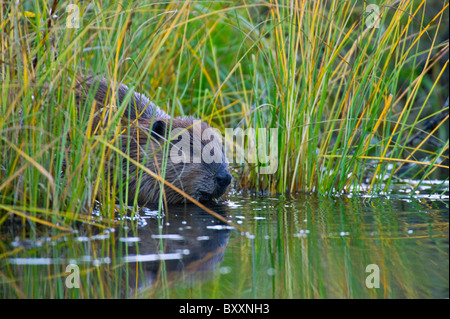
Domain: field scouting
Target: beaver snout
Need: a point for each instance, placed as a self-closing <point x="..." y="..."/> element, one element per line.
<point x="223" y="179"/>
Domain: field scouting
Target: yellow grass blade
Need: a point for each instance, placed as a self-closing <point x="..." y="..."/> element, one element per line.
<point x="35" y="219"/>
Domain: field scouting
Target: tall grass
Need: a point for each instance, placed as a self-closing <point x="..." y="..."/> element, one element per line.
<point x="338" y="94"/>
<point x="346" y="98"/>
<point x="357" y="108"/>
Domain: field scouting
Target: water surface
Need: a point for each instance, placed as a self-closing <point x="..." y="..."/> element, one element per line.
<point x="304" y="246"/>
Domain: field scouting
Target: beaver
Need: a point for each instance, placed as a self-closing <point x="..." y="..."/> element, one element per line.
<point x="148" y="130"/>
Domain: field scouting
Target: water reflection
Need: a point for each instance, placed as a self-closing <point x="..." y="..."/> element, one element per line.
<point x="186" y="241"/>
<point x="296" y="247"/>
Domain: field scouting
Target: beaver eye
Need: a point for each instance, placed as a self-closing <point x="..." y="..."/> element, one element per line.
<point x="158" y="129"/>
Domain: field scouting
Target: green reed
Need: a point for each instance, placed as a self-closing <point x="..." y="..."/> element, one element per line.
<point x="334" y="87"/>
<point x="346" y="98"/>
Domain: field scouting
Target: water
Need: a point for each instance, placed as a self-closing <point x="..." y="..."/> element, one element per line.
<point x="297" y="247"/>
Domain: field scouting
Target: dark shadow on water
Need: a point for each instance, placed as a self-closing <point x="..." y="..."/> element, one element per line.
<point x="143" y="251"/>
<point x="186" y="241"/>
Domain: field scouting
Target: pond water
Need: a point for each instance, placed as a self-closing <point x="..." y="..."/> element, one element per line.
<point x="305" y="246"/>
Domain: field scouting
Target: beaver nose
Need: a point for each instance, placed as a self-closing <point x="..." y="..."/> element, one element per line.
<point x="223" y="179"/>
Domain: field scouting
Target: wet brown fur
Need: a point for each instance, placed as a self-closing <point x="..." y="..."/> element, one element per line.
<point x="141" y="142"/>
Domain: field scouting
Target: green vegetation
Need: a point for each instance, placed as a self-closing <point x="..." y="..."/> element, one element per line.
<point x="357" y="108"/>
<point x="346" y="98"/>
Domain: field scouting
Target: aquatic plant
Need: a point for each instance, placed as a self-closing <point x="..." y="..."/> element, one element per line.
<point x="356" y="91"/>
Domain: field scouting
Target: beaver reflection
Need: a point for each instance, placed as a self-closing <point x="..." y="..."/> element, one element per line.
<point x="187" y="241"/>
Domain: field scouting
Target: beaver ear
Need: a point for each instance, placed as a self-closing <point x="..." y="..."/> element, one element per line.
<point x="159" y="129"/>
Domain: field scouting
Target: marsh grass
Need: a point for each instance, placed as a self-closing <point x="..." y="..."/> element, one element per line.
<point x="335" y="88"/>
<point x="347" y="99"/>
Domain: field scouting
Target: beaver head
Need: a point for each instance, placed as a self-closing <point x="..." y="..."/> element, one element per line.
<point x="191" y="153"/>
<point x="184" y="151"/>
